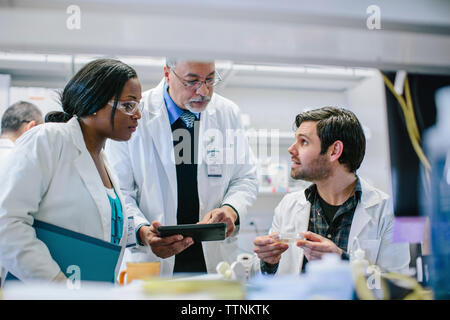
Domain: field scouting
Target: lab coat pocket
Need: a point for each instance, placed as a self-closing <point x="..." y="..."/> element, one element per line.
<point x="371" y="247"/>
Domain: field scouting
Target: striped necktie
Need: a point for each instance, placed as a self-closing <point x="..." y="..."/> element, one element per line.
<point x="188" y="118"/>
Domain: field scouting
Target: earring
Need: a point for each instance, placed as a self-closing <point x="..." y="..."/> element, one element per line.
<point x="95" y="113"/>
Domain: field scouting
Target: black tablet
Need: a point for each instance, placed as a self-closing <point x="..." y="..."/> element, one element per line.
<point x="198" y="232"/>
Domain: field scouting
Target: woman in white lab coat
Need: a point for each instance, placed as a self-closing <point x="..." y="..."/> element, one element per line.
<point x="58" y="172"/>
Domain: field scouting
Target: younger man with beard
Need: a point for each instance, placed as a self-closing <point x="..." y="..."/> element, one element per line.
<point x="338" y="208"/>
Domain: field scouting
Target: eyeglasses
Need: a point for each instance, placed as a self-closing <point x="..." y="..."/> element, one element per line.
<point x="196" y="84"/>
<point x="128" y="107"/>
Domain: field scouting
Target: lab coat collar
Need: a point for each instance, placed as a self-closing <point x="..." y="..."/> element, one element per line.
<point x="77" y="134"/>
<point x="89" y="174"/>
<point x="6" y="144"/>
<point x="363" y="215"/>
<point x="155" y="101"/>
<point x="173" y="110"/>
<point x="157" y="122"/>
<point x="369" y="198"/>
<point x="369" y="195"/>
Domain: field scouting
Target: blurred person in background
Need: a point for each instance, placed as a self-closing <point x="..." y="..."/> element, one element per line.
<point x="17" y="119"/>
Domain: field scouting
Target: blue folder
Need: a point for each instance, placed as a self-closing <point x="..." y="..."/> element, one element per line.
<point x="96" y="259"/>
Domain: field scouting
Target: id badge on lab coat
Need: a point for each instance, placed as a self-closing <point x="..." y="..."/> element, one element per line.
<point x="214" y="170"/>
<point x="131" y="233"/>
<point x="212" y="162"/>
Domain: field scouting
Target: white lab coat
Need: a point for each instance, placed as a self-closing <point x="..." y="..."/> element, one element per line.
<point x="6" y="145"/>
<point x="147" y="173"/>
<point x="51" y="177"/>
<point x="372" y="224"/>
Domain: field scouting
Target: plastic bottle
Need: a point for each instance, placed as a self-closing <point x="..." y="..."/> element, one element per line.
<point x="358" y="261"/>
<point x="437" y="202"/>
<point x="329" y="278"/>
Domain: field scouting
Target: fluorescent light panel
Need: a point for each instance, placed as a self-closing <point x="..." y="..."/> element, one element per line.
<point x="222" y="64"/>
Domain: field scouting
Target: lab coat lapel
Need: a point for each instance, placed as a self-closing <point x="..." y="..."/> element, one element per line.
<point x="303" y="209"/>
<point x="91" y="178"/>
<point x="362" y="217"/>
<point x="161" y="134"/>
<point x="360" y="220"/>
<point x="303" y="222"/>
<point x="207" y="132"/>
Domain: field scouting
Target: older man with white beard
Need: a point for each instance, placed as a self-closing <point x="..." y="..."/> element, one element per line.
<point x="173" y="171"/>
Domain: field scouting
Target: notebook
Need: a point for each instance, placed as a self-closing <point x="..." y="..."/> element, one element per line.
<point x="94" y="259"/>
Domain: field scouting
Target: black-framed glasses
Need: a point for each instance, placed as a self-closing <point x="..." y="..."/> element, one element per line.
<point x="196" y="84"/>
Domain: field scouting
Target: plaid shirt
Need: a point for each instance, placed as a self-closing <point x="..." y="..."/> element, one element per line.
<point x="339" y="229"/>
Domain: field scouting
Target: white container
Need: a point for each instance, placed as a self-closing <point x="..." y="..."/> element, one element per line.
<point x="330" y="278"/>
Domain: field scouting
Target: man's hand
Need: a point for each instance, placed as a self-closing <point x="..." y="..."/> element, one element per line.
<point x="317" y="246"/>
<point x="223" y="214"/>
<point x="268" y="249"/>
<point x="163" y="247"/>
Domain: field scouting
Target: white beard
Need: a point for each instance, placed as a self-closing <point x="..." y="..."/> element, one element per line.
<point x="194" y="109"/>
<point x="197" y="109"/>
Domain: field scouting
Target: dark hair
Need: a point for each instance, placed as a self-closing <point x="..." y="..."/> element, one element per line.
<point x="338" y="124"/>
<point x="19" y="113"/>
<point x="56" y="116"/>
<point x="93" y="86"/>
